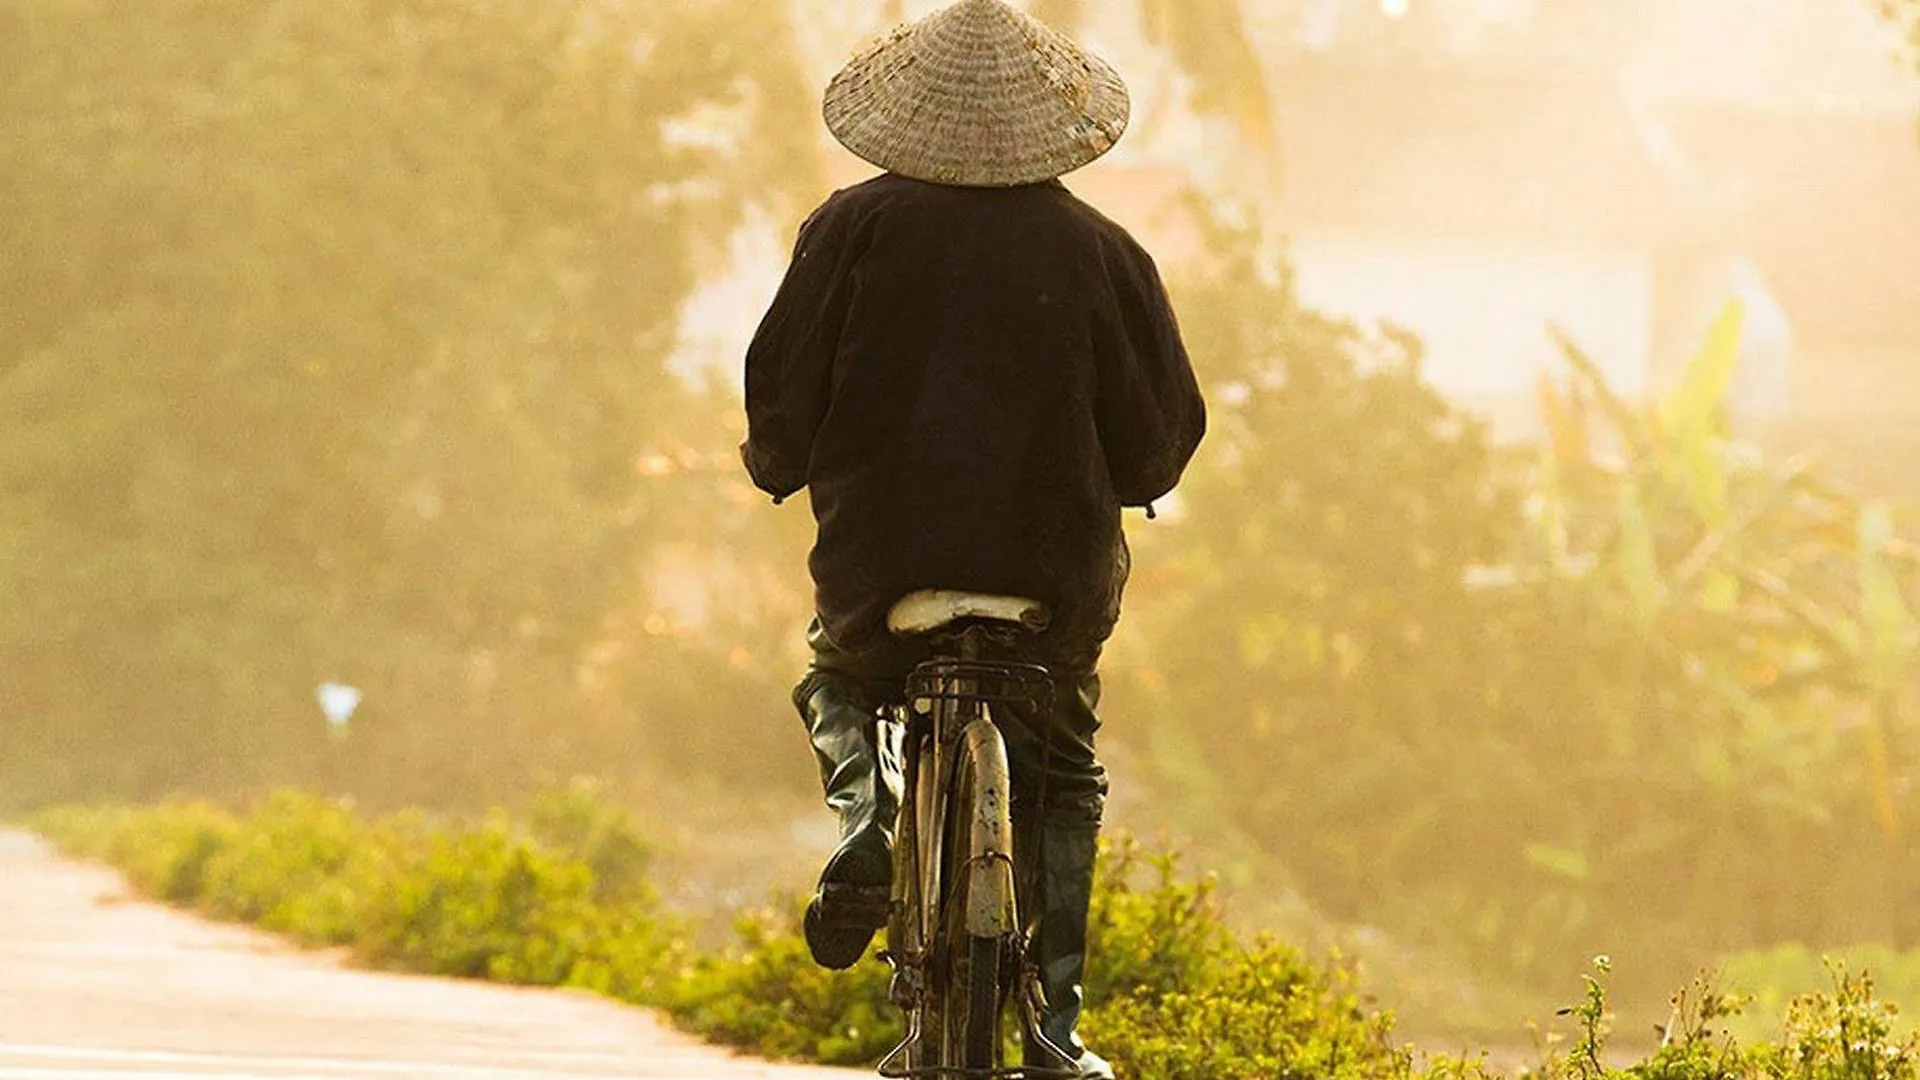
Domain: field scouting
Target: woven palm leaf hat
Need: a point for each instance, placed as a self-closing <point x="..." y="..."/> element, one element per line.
<point x="977" y="95"/>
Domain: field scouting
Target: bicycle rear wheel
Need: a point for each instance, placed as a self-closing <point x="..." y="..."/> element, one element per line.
<point x="973" y="989"/>
<point x="973" y="1023"/>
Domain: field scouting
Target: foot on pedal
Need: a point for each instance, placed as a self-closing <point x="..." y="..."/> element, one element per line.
<point x="853" y="901"/>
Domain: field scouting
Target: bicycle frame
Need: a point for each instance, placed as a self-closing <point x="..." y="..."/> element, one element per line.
<point x="946" y="723"/>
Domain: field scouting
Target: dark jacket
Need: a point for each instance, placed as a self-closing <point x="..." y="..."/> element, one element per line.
<point x="972" y="382"/>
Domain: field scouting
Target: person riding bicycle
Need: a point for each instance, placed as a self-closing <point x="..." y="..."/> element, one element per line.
<point x="972" y="372"/>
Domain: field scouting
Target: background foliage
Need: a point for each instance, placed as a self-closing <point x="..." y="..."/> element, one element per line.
<point x="337" y="334"/>
<point x="1905" y="13"/>
<point x="1636" y="690"/>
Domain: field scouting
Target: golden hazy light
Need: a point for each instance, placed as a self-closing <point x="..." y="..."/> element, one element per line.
<point x="399" y="345"/>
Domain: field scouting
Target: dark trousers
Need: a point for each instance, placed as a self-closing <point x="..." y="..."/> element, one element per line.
<point x="1050" y="751"/>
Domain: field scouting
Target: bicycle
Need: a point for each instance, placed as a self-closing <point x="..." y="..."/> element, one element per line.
<point x="955" y="940"/>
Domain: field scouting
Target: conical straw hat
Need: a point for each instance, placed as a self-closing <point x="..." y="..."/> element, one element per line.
<point x="977" y="95"/>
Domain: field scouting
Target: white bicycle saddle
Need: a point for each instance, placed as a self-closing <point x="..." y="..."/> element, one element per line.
<point x="931" y="609"/>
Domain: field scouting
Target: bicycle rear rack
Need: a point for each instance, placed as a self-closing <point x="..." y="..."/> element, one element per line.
<point x="981" y="680"/>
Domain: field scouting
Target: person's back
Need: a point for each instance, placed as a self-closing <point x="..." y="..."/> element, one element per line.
<point x="972" y="372"/>
<point x="977" y="379"/>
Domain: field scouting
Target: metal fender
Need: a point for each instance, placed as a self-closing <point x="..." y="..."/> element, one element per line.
<point x="990" y="897"/>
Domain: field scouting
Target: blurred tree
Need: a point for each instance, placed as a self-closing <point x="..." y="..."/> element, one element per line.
<point x="1906" y="14"/>
<point x="1060" y="13"/>
<point x="1208" y="41"/>
<point x="334" y="332"/>
<point x="1524" y="705"/>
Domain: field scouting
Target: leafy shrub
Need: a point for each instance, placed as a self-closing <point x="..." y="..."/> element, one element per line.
<point x="1773" y="979"/>
<point x="1848" y="1033"/>
<point x="164" y="851"/>
<point x="582" y="823"/>
<point x="485" y="900"/>
<point x="1149" y="932"/>
<point x="1173" y="994"/>
<point x="1843" y="1033"/>
<point x="289" y="868"/>
<point x="767" y="995"/>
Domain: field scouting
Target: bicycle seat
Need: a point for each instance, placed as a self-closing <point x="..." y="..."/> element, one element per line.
<point x="929" y="610"/>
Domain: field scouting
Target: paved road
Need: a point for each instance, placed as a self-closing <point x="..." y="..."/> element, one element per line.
<point x="95" y="985"/>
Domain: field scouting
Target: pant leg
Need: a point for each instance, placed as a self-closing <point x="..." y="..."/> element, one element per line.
<point x="877" y="674"/>
<point x="1057" y="775"/>
<point x="1057" y="828"/>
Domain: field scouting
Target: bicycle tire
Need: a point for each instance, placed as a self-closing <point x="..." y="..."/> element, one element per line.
<point x="972" y="991"/>
<point x="975" y="1040"/>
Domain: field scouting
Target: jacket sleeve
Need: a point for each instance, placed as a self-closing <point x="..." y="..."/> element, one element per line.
<point x="789" y="376"/>
<point x="1148" y="406"/>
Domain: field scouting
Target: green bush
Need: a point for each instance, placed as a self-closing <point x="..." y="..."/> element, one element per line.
<point x="1173" y="994"/>
<point x="485" y="903"/>
<point x="1773" y="979"/>
<point x="292" y="867"/>
<point x="1841" y="1033"/>
<point x="1847" y="1033"/>
<point x="581" y="822"/>
<point x="487" y="899"/>
<point x="767" y="995"/>
<point x="163" y="851"/>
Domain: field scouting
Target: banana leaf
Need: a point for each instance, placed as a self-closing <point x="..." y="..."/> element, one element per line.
<point x="1879" y="770"/>
<point x="1639" y="561"/>
<point x="1697" y="407"/>
<point x="1550" y="509"/>
<point x="1837" y="634"/>
<point x="1692" y="420"/>
<point x="1697" y="561"/>
<point x="1627" y="425"/>
<point x="1565" y="420"/>
<point x="1892" y="633"/>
